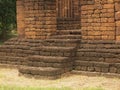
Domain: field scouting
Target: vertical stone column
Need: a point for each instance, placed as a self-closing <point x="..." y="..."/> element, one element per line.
<point x="40" y="18"/>
<point x="20" y="19"/>
<point x="117" y="18"/>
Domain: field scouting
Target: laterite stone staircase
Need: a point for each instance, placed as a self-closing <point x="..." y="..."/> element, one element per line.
<point x="54" y="57"/>
<point x="61" y="53"/>
<point x="49" y="58"/>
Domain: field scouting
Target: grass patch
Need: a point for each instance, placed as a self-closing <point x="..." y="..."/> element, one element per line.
<point x="93" y="88"/>
<point x="3" y="87"/>
<point x="1" y="43"/>
<point x="8" y="87"/>
<point x="2" y="76"/>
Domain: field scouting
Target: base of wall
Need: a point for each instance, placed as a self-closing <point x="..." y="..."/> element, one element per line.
<point x="73" y="72"/>
<point x="86" y="73"/>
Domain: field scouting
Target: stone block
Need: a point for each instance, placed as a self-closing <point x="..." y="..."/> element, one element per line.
<point x="117" y="23"/>
<point x="108" y="6"/>
<point x="117" y="6"/>
<point x="97" y="69"/>
<point x="113" y="69"/>
<point x="105" y="70"/>
<point x="118" y="30"/>
<point x="117" y="15"/>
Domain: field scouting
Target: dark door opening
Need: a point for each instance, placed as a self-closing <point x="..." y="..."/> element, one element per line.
<point x="68" y="15"/>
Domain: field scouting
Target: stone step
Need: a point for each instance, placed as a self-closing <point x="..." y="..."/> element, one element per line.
<point x="16" y="51"/>
<point x="100" y="59"/>
<point x="69" y="32"/>
<point x="67" y="37"/>
<point x="97" y="66"/>
<point x="100" y="46"/>
<point x="48" y="64"/>
<point x="85" y="58"/>
<point x="55" y="51"/>
<point x="13" y="54"/>
<point x="12" y="60"/>
<point x="98" y="42"/>
<point x="61" y="42"/>
<point x="88" y="73"/>
<point x="92" y="66"/>
<point x="100" y="50"/>
<point x="12" y="41"/>
<point x="14" y="47"/>
<point x="48" y="59"/>
<point x="46" y="72"/>
<point x="97" y="53"/>
<point x="22" y="42"/>
<point x="91" y="63"/>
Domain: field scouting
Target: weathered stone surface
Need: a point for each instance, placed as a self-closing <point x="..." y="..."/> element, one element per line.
<point x="99" y="21"/>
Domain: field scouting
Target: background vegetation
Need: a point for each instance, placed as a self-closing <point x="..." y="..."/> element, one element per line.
<point x="7" y="18"/>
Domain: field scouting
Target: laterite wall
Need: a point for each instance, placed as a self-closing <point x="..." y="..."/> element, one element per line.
<point x="38" y="18"/>
<point x="20" y="18"/>
<point x="68" y="23"/>
<point x="98" y="19"/>
<point x="117" y="18"/>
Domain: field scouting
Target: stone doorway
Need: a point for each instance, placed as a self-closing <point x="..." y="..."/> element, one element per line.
<point x="68" y="14"/>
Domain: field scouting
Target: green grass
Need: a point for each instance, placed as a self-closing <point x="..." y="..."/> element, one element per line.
<point x="93" y="88"/>
<point x="1" y="43"/>
<point x="8" y="87"/>
<point x="3" y="87"/>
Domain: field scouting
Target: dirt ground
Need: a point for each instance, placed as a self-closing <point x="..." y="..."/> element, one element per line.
<point x="10" y="77"/>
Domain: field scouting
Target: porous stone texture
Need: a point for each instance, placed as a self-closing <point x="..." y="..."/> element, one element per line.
<point x="39" y="18"/>
<point x="117" y="18"/>
<point x="98" y="19"/>
<point x="49" y="58"/>
<point x="20" y="18"/>
<point x="64" y="35"/>
<point x="98" y="56"/>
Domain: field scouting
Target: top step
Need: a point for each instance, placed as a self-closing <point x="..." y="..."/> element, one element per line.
<point x="66" y="37"/>
<point x="69" y="32"/>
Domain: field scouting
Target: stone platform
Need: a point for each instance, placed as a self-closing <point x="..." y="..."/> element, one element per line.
<point x="61" y="53"/>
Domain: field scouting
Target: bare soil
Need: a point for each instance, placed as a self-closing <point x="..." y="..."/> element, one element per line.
<point x="11" y="77"/>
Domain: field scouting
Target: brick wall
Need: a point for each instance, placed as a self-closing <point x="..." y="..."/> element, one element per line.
<point x="117" y="18"/>
<point x="68" y="23"/>
<point x="39" y="19"/>
<point x="98" y="19"/>
<point x="20" y="18"/>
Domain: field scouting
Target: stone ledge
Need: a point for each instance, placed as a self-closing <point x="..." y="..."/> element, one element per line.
<point x="108" y="75"/>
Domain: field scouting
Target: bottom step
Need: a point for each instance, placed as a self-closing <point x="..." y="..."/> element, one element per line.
<point x="87" y="73"/>
<point x="41" y="72"/>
